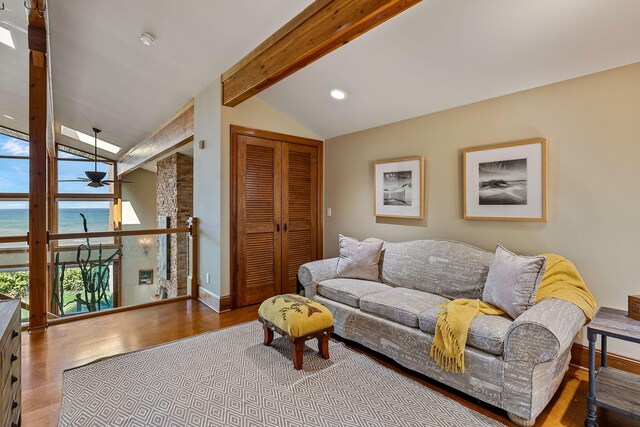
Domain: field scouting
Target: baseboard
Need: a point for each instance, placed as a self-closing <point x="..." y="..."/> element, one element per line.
<point x="580" y="357"/>
<point x="213" y="301"/>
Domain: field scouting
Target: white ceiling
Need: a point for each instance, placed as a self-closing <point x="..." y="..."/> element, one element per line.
<point x="446" y="53"/>
<point x="14" y="68"/>
<point x="104" y="77"/>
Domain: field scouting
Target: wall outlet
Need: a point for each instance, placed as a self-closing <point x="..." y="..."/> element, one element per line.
<point x="201" y="144"/>
<point x="207" y="278"/>
<point x="328" y="211"/>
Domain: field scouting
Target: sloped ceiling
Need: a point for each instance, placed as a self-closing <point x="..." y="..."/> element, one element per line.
<point x="14" y="68"/>
<point x="446" y="53"/>
<point x="104" y="76"/>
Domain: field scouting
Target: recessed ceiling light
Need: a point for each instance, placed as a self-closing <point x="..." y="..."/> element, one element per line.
<point x="146" y="39"/>
<point x="89" y="139"/>
<point x="338" y="94"/>
<point x="5" y="37"/>
<point x="8" y="117"/>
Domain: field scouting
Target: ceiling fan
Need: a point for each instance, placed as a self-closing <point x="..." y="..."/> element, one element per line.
<point x="95" y="178"/>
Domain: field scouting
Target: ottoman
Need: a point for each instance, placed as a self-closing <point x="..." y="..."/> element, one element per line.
<point x="298" y="319"/>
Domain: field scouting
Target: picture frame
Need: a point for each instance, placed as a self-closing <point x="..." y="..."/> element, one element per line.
<point x="506" y="182"/>
<point x="145" y="277"/>
<point x="399" y="188"/>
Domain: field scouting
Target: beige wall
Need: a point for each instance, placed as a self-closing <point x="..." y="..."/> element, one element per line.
<point x="592" y="125"/>
<point x="212" y="174"/>
<point x="142" y="195"/>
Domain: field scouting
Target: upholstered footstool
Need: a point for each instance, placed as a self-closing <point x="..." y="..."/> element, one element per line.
<point x="298" y="319"/>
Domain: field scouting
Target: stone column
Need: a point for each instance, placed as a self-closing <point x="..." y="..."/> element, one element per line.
<point x="174" y="205"/>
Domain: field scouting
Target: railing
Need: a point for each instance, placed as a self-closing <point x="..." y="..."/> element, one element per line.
<point x="136" y="268"/>
<point x="88" y="276"/>
<point x="14" y="271"/>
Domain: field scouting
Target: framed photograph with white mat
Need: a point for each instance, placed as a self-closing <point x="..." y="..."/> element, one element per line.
<point x="399" y="188"/>
<point x="506" y="182"/>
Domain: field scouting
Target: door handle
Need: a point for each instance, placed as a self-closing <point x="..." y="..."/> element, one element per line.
<point x="285" y="227"/>
<point x="278" y="228"/>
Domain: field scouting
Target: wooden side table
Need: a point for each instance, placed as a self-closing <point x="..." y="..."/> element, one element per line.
<point x="611" y="388"/>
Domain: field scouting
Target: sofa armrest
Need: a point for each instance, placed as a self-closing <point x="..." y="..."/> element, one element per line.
<point x="543" y="332"/>
<point x="312" y="273"/>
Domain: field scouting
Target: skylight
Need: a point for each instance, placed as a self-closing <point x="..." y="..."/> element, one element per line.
<point x="89" y="139"/>
<point x="5" y="37"/>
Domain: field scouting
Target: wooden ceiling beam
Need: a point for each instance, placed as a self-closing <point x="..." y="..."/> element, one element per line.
<point x="176" y="132"/>
<point x="321" y="28"/>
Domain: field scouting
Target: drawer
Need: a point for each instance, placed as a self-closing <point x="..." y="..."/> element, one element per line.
<point x="9" y="360"/>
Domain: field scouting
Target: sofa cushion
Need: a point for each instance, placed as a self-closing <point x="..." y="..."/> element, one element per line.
<point x="486" y="333"/>
<point x="400" y="305"/>
<point x="450" y="269"/>
<point x="349" y="291"/>
<point x="359" y="260"/>
<point x="513" y="281"/>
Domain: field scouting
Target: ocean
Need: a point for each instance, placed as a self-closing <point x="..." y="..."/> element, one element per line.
<point x="15" y="222"/>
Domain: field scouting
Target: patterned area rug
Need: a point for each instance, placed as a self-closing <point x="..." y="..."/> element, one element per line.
<point x="228" y="378"/>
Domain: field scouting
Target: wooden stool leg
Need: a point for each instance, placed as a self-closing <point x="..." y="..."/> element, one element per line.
<point x="323" y="345"/>
<point x="268" y="335"/>
<point x="297" y="353"/>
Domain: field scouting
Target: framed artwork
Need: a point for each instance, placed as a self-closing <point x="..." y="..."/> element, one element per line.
<point x="398" y="188"/>
<point x="145" y="277"/>
<point x="506" y="182"/>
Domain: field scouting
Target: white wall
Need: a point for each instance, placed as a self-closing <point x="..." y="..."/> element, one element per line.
<point x="592" y="125"/>
<point x="142" y="195"/>
<point x="208" y="183"/>
<point x="212" y="174"/>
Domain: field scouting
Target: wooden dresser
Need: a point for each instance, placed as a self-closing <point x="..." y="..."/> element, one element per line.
<point x="9" y="363"/>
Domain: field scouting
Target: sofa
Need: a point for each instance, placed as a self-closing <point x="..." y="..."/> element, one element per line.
<point x="514" y="364"/>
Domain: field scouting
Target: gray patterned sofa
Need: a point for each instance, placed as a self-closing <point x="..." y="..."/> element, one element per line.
<point x="516" y="365"/>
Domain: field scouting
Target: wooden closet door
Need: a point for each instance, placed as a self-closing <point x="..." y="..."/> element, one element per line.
<point x="258" y="275"/>
<point x="300" y="197"/>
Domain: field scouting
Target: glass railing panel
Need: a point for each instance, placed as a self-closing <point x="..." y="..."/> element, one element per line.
<point x="14" y="276"/>
<point x="88" y="275"/>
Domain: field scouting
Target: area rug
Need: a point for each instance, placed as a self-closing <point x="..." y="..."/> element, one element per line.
<point x="228" y="378"/>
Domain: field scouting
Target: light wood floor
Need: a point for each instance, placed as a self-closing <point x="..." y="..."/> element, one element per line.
<point x="46" y="355"/>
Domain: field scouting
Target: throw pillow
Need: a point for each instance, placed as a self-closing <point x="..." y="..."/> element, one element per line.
<point x="359" y="260"/>
<point x="513" y="281"/>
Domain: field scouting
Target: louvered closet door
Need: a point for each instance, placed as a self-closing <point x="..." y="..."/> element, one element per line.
<point x="259" y="211"/>
<point x="299" y="210"/>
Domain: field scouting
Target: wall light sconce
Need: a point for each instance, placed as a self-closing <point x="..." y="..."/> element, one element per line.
<point x="145" y="242"/>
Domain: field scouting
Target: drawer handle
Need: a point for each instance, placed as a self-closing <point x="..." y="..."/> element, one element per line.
<point x="14" y="333"/>
<point x="14" y="379"/>
<point x="14" y="404"/>
<point x="13" y="357"/>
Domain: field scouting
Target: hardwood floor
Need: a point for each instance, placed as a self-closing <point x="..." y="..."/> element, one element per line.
<point x="46" y="355"/>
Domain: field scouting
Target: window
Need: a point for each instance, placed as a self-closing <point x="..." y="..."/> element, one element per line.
<point x="14" y="186"/>
<point x="98" y="214"/>
<point x="14" y="218"/>
<point x="73" y="169"/>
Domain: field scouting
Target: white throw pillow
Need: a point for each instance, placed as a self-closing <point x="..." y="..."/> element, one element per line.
<point x="513" y="281"/>
<point x="359" y="260"/>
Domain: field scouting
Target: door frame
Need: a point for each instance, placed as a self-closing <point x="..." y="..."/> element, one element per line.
<point x="236" y="131"/>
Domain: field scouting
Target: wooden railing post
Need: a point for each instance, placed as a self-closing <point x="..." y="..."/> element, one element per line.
<point x="193" y="239"/>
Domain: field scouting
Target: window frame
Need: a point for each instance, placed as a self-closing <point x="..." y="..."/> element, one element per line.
<point x="115" y="195"/>
<point x="14" y="197"/>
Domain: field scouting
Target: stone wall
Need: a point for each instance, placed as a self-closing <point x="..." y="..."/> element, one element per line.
<point x="174" y="206"/>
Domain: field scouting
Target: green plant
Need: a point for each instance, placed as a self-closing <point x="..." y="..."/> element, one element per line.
<point x="14" y="283"/>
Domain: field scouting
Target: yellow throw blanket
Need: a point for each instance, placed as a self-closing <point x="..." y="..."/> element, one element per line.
<point x="451" y="331"/>
<point x="561" y="280"/>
